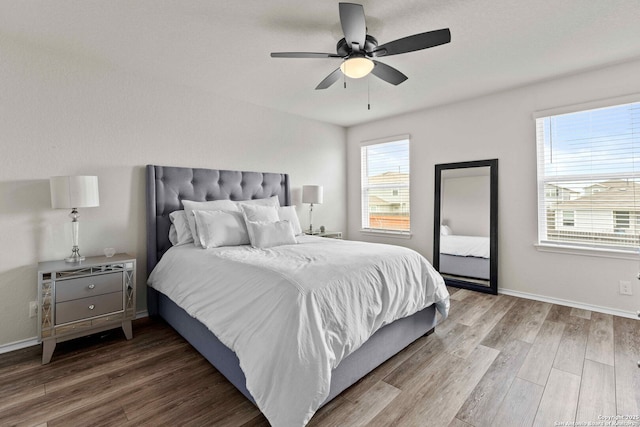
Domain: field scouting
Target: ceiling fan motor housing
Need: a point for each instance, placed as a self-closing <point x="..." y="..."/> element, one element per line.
<point x="370" y="44"/>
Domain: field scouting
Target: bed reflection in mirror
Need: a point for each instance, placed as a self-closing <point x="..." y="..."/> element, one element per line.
<point x="465" y="227"/>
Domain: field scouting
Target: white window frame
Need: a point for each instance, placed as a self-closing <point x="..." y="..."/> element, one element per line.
<point x="364" y="205"/>
<point x="602" y="251"/>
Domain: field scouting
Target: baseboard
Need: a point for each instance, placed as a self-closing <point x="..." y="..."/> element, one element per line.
<point x="559" y="301"/>
<point x="18" y="345"/>
<point x="29" y="342"/>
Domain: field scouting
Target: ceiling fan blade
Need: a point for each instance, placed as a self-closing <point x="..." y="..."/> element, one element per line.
<point x="330" y="79"/>
<point x="414" y="42"/>
<point x="303" y="55"/>
<point x="387" y="73"/>
<point x="353" y="24"/>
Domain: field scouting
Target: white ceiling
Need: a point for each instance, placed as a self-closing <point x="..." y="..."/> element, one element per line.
<point x="223" y="47"/>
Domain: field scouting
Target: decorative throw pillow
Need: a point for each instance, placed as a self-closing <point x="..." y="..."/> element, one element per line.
<point x="445" y="230"/>
<point x="288" y="213"/>
<point x="270" y="201"/>
<point x="215" y="205"/>
<point x="221" y="228"/>
<point x="257" y="213"/>
<point x="270" y="234"/>
<point x="183" y="232"/>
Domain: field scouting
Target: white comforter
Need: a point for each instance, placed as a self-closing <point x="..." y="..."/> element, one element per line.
<point x="465" y="246"/>
<point x="292" y="313"/>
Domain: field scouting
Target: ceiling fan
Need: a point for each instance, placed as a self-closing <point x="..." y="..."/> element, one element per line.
<point x="357" y="49"/>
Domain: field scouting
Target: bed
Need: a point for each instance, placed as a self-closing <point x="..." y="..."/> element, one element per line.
<point x="166" y="188"/>
<point x="465" y="256"/>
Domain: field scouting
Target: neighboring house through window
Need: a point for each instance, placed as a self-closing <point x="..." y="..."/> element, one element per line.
<point x="589" y="176"/>
<point x="385" y="181"/>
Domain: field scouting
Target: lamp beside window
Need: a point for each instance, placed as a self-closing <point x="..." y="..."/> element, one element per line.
<point x="312" y="194"/>
<point x="73" y="192"/>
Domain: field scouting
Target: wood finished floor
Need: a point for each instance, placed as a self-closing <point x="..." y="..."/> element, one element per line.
<point x="496" y="361"/>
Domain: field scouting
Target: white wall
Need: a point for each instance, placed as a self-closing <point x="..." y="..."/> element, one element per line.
<point x="64" y="115"/>
<point x="465" y="205"/>
<point x="501" y="126"/>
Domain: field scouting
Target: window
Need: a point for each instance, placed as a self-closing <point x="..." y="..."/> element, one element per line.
<point x="589" y="177"/>
<point x="385" y="185"/>
<point x="568" y="218"/>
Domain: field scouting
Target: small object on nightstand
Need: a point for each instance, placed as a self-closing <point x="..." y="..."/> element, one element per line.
<point x="109" y="252"/>
<point x="322" y="228"/>
<point x="329" y="234"/>
<point x="77" y="300"/>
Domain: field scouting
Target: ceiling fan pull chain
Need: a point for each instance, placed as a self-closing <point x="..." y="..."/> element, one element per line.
<point x="344" y="76"/>
<point x="368" y="93"/>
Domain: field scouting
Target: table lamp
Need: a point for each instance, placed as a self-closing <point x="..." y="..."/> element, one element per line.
<point x="73" y="192"/>
<point x="311" y="194"/>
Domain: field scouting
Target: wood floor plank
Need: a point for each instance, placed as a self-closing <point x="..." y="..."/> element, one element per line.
<point x="559" y="400"/>
<point x="537" y="365"/>
<point x="455" y="380"/>
<point x="597" y="392"/>
<point x="482" y="404"/>
<point x="471" y="337"/>
<point x="480" y="304"/>
<point x="355" y="392"/>
<point x="502" y="333"/>
<point x="362" y="412"/>
<point x="570" y="355"/>
<point x="94" y="416"/>
<point x="519" y="405"/>
<point x="559" y="313"/>
<point x="527" y="330"/>
<point x="458" y="423"/>
<point x="458" y="294"/>
<point x="627" y="357"/>
<point x="578" y="312"/>
<point x="600" y="341"/>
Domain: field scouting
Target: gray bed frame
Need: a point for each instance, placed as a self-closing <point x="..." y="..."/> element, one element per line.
<point x="465" y="266"/>
<point x="167" y="186"/>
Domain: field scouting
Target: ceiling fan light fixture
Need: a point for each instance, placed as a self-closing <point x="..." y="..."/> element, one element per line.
<point x="357" y="67"/>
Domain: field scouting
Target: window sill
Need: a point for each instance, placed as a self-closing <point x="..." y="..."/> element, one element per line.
<point x="600" y="253"/>
<point x="387" y="233"/>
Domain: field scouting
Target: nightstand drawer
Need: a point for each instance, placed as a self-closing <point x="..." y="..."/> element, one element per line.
<point x="84" y="287"/>
<point x="84" y="308"/>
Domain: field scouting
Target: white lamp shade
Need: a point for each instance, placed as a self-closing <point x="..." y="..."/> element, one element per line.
<point x="68" y="192"/>
<point x="312" y="194"/>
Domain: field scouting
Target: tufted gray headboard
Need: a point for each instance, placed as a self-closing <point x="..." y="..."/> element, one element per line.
<point x="167" y="186"/>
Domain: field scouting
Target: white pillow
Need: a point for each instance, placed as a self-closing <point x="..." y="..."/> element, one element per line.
<point x="257" y="213"/>
<point x="221" y="228"/>
<point x="183" y="232"/>
<point x="271" y="201"/>
<point x="269" y="234"/>
<point x="445" y="230"/>
<point x="288" y="213"/>
<point x="173" y="235"/>
<point x="214" y="205"/>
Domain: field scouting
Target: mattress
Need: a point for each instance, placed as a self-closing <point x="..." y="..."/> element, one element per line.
<point x="473" y="246"/>
<point x="293" y="313"/>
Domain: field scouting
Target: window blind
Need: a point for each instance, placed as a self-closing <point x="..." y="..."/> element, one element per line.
<point x="589" y="178"/>
<point x="385" y="186"/>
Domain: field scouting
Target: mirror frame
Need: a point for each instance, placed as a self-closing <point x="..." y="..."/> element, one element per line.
<point x="493" y="224"/>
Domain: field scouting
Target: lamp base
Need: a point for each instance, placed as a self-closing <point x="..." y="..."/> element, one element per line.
<point x="75" y="255"/>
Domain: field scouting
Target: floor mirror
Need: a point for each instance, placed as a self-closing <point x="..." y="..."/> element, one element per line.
<point x="465" y="244"/>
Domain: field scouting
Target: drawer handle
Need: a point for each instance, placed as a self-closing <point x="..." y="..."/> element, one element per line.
<point x="91" y="307"/>
<point x="91" y="286"/>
